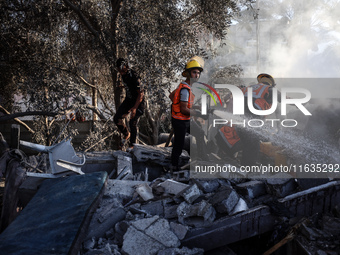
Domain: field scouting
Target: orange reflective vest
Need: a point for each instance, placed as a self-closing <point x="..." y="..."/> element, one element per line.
<point x="259" y="92"/>
<point x="229" y="135"/>
<point x="176" y="104"/>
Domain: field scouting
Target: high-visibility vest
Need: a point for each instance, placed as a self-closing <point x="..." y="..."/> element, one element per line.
<point x="176" y="102"/>
<point x="229" y="135"/>
<point x="259" y="92"/>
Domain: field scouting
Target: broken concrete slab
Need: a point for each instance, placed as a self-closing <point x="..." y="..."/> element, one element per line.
<point x="56" y="219"/>
<point x="197" y="215"/>
<point x="144" y="223"/>
<point x="148" y="236"/>
<point x="138" y="243"/>
<point x="160" y="231"/>
<point x="173" y="187"/>
<point x="251" y="189"/>
<point x="318" y="199"/>
<point x="231" y="229"/>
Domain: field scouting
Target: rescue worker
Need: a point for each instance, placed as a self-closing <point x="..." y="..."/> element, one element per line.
<point x="237" y="138"/>
<point x="133" y="103"/>
<point x="182" y="108"/>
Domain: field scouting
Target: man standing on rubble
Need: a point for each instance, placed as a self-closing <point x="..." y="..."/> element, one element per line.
<point x="239" y="138"/>
<point x="262" y="93"/>
<point x="182" y="108"/>
<point x="133" y="103"/>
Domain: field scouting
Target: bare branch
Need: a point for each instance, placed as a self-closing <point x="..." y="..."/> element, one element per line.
<point x="96" y="110"/>
<point x="82" y="17"/>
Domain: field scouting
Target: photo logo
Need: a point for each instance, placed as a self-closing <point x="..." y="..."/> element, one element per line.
<point x="240" y="96"/>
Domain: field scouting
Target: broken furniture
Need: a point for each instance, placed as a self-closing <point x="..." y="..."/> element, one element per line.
<point x="63" y="159"/>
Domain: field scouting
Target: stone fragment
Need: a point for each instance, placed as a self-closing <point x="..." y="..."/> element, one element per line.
<point x="160" y="231"/>
<point x="179" y="230"/>
<point x="173" y="187"/>
<point x="208" y="186"/>
<point x="154" y="208"/>
<point x="225" y="200"/>
<point x="251" y="189"/>
<point x="197" y="215"/>
<point x="145" y="191"/>
<point x="191" y="194"/>
<point x="240" y="206"/>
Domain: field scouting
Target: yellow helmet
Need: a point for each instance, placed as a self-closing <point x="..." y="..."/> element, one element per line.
<point x="266" y="79"/>
<point x="194" y="62"/>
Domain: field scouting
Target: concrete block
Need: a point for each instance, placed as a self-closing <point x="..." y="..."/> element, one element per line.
<point x="191" y="193"/>
<point x="160" y="231"/>
<point x="240" y="206"/>
<point x="251" y="189"/>
<point x="138" y="243"/>
<point x="145" y="191"/>
<point x="173" y="187"/>
<point x="219" y="196"/>
<point x="197" y="215"/>
<point x="280" y="185"/>
<point x="228" y="204"/>
<point x="179" y="230"/>
<point x="208" y="186"/>
<point x="154" y="208"/>
<point x="182" y="176"/>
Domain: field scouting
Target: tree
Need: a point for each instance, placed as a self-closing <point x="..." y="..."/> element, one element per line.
<point x="63" y="48"/>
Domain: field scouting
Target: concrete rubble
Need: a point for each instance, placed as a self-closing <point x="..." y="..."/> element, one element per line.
<point x="143" y="210"/>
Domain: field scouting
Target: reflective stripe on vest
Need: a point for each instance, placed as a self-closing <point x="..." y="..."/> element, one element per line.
<point x="176" y="103"/>
<point x="259" y="90"/>
<point x="229" y="135"/>
<point x="261" y="104"/>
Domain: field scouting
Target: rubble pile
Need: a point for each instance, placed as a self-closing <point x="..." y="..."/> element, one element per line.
<point x="145" y="210"/>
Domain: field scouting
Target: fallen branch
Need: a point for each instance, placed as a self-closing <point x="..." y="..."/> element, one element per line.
<point x="17" y="120"/>
<point x="101" y="140"/>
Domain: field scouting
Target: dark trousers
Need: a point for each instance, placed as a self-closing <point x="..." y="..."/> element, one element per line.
<point x="123" y="109"/>
<point x="181" y="127"/>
